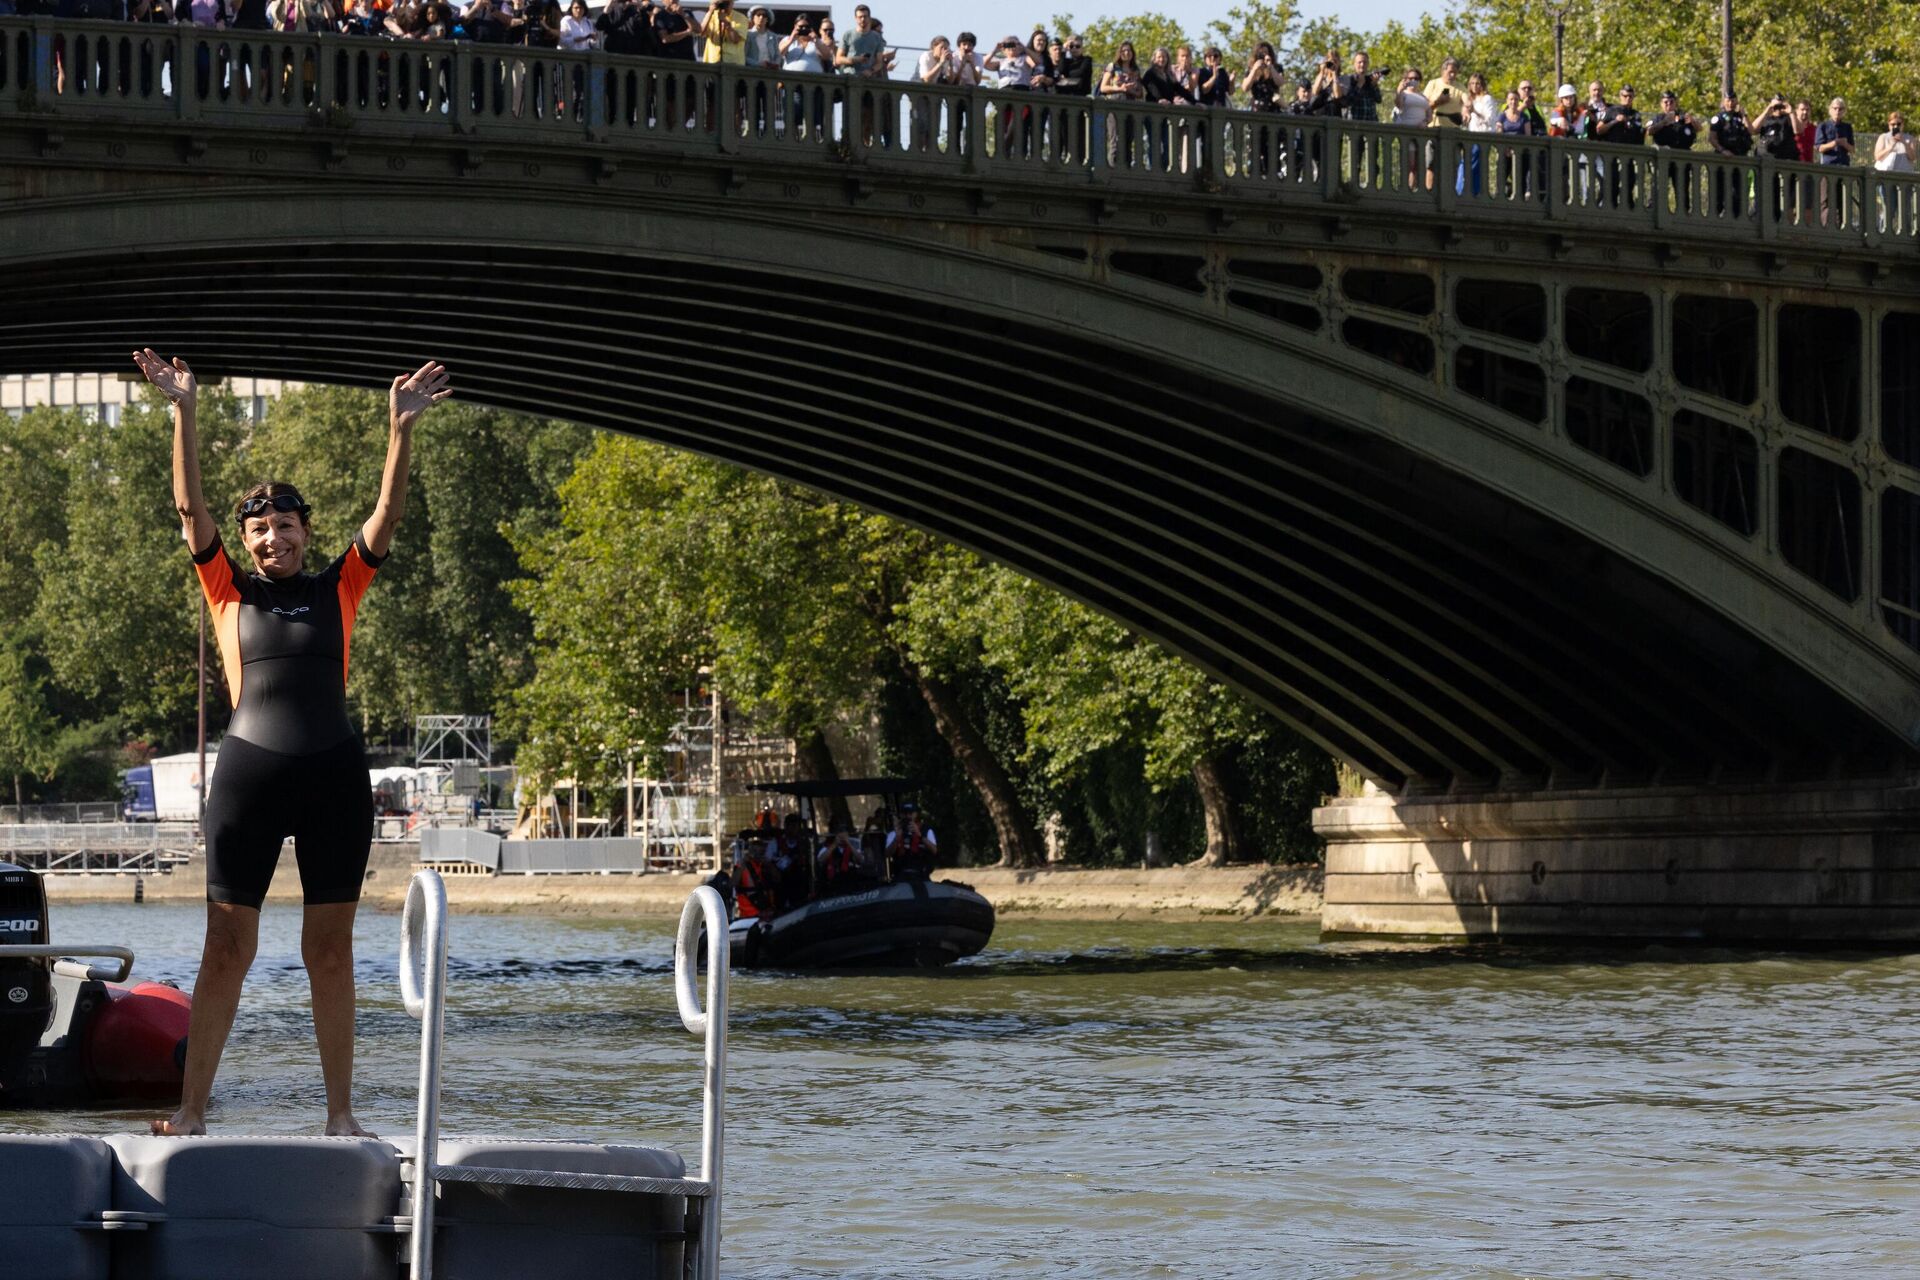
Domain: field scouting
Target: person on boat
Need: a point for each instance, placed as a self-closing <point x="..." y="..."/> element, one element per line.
<point x="911" y="846"/>
<point x="753" y="883"/>
<point x="791" y="853"/>
<point x="292" y="763"/>
<point x="840" y="859"/>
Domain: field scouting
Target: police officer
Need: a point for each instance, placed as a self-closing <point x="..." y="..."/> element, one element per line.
<point x="1728" y="135"/>
<point x="1619" y="123"/>
<point x="1675" y="130"/>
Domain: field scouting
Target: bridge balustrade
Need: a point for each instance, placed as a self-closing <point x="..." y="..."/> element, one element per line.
<point x="190" y="75"/>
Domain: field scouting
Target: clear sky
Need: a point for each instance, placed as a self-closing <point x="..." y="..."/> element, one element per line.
<point x="911" y="23"/>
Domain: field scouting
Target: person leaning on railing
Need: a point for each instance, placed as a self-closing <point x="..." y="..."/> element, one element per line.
<point x="1073" y="69"/>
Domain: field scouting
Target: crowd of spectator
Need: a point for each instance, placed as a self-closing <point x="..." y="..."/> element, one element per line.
<point x="1057" y="64"/>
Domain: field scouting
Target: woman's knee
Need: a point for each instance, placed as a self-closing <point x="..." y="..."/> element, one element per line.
<point x="327" y="944"/>
<point x="233" y="935"/>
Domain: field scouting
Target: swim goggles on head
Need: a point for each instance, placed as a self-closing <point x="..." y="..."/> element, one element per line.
<point x="278" y="502"/>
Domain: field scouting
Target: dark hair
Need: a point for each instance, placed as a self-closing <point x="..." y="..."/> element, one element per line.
<point x="966" y="37"/>
<point x="269" y="489"/>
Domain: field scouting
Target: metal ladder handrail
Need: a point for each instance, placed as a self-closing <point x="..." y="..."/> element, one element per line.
<point x="423" y="982"/>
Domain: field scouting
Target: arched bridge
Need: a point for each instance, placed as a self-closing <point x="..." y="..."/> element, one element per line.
<point x="1487" y="463"/>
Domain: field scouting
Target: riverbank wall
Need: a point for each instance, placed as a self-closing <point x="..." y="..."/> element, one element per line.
<point x="1163" y="893"/>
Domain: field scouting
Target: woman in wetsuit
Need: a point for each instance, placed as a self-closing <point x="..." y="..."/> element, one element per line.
<point x="291" y="763"/>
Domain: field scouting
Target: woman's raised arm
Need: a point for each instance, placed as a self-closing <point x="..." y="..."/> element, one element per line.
<point x="177" y="384"/>
<point x="410" y="396"/>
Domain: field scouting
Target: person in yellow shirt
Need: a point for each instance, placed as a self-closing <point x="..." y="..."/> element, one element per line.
<point x="1447" y="97"/>
<point x="723" y="35"/>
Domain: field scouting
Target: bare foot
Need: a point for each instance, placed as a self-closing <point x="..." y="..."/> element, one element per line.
<point x="178" y="1125"/>
<point x="345" y="1126"/>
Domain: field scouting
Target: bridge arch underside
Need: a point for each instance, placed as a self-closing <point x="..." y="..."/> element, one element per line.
<point x="1412" y="620"/>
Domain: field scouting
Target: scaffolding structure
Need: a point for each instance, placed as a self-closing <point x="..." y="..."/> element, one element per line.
<point x="678" y="816"/>
<point x="452" y="740"/>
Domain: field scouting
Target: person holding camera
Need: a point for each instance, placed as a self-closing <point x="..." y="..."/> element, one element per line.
<point x="803" y="50"/>
<point x="1215" y="85"/>
<point x="1360" y="90"/>
<point x="625" y="27"/>
<point x="1675" y="130"/>
<point x="911" y="846"/>
<point x="1774" y="130"/>
<point x="1040" y="53"/>
<point x="723" y="36"/>
<point x="1447" y="98"/>
<point x="1893" y="151"/>
<point x="936" y="66"/>
<point x="1803" y="130"/>
<point x="1012" y="64"/>
<point x="1263" y="83"/>
<point x="861" y="47"/>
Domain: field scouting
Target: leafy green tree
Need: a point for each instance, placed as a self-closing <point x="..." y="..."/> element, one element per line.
<point x="33" y="466"/>
<point x="28" y="729"/>
<point x="1869" y="55"/>
<point x="1103" y="36"/>
<point x="1088" y="686"/>
<point x="786" y="599"/>
<point x="117" y="619"/>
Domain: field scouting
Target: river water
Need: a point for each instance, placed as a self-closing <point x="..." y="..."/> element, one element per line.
<point x="1198" y="1100"/>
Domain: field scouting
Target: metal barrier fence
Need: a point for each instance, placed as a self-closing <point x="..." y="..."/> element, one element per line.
<point x="85" y="811"/>
<point x="98" y="848"/>
<point x="457" y="90"/>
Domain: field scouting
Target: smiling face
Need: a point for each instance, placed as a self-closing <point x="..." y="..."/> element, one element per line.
<point x="277" y="541"/>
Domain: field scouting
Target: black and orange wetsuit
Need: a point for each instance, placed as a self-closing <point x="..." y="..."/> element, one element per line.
<point x="291" y="763"/>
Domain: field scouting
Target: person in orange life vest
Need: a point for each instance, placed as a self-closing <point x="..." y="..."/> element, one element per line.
<point x="911" y="844"/>
<point x="753" y="883"/>
<point x="840" y="857"/>
<point x="791" y="854"/>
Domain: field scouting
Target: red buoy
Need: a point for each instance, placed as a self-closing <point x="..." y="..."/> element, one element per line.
<point x="136" y="1043"/>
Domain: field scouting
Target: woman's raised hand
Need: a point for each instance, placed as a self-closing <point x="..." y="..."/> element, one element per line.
<point x="174" y="379"/>
<point x="414" y="394"/>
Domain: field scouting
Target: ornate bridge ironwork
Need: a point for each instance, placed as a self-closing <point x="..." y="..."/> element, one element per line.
<point x="1486" y="462"/>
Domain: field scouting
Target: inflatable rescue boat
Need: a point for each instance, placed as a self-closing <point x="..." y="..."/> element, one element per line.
<point x="906" y="924"/>
<point x="75" y="1033"/>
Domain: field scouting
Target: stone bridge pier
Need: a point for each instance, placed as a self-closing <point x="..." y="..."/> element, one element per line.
<point x="1813" y="864"/>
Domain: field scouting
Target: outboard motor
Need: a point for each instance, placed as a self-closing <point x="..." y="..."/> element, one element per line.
<point x="26" y="988"/>
<point x="75" y="1035"/>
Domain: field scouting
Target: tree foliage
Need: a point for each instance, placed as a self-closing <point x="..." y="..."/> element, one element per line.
<point x="1868" y="54"/>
